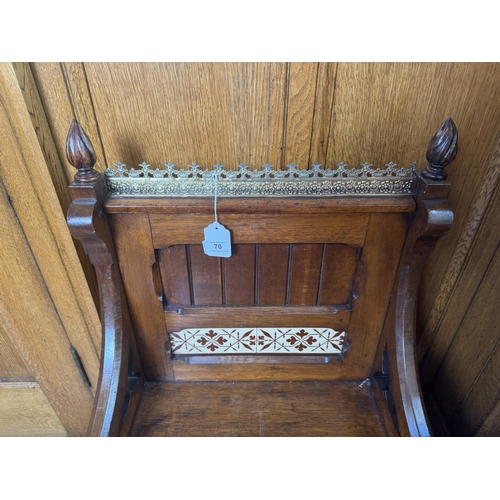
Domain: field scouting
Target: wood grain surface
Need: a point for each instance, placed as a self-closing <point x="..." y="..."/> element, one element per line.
<point x="469" y="370"/>
<point x="301" y="91"/>
<point x="47" y="307"/>
<point x="56" y="165"/>
<point x="272" y="273"/>
<point x="359" y="112"/>
<point x="242" y="317"/>
<point x="258" y="409"/>
<point x="262" y="228"/>
<point x="175" y="275"/>
<point x="237" y="205"/>
<point x="12" y="363"/>
<point x="239" y="276"/>
<point x="206" y="277"/>
<point x="146" y="310"/>
<point x="25" y="411"/>
<point x="339" y="266"/>
<point x="232" y="112"/>
<point x="305" y="272"/>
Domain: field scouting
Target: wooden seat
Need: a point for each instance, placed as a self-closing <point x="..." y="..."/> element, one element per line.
<point x="307" y="329"/>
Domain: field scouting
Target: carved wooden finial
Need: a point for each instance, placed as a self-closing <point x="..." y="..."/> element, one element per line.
<point x="80" y="154"/>
<point x="441" y="151"/>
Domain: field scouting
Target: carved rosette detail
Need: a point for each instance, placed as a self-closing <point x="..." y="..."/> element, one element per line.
<point x="441" y="151"/>
<point x="80" y="153"/>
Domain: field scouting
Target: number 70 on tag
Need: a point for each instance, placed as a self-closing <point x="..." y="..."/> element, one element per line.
<point x="217" y="242"/>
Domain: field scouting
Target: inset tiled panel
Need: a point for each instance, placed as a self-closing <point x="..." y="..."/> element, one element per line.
<point x="257" y="341"/>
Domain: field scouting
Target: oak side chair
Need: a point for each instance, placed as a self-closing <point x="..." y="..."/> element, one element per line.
<point x="307" y="329"/>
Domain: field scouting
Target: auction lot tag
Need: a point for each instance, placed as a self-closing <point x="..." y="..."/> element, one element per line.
<point x="217" y="242"/>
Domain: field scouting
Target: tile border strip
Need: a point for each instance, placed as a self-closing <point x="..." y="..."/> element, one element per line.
<point x="228" y="341"/>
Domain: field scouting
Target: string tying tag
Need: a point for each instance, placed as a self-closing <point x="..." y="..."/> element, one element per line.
<point x="217" y="242"/>
<point x="213" y="182"/>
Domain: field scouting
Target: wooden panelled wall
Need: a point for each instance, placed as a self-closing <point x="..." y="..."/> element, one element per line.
<point x="302" y="113"/>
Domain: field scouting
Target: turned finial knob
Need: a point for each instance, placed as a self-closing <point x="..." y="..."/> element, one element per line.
<point x="441" y="151"/>
<point x="80" y="154"/>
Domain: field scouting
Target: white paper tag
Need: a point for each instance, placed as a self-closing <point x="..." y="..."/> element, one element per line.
<point x="217" y="242"/>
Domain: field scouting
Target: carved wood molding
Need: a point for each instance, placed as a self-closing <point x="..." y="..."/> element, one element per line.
<point x="432" y="219"/>
<point x="120" y="378"/>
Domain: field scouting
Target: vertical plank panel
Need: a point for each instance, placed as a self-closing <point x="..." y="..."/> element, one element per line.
<point x="475" y="340"/>
<point x="381" y="253"/>
<point x="206" y="277"/>
<point x="57" y="165"/>
<point x="50" y="308"/>
<point x="136" y="257"/>
<point x="272" y="273"/>
<point x="479" y="242"/>
<point x="174" y="275"/>
<point x="483" y="395"/>
<point x="305" y="271"/>
<point x="49" y="79"/>
<point x="28" y="314"/>
<point x="384" y="109"/>
<point x="302" y="81"/>
<point x="338" y="274"/>
<point x="275" y="114"/>
<point x="239" y="276"/>
<point x="323" y="109"/>
<point x="490" y="426"/>
<point x="226" y="109"/>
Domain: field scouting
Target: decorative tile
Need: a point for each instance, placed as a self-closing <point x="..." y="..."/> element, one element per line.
<point x="257" y="341"/>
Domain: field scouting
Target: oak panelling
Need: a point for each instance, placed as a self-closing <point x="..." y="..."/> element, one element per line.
<point x="490" y="426"/>
<point x="239" y="276"/>
<point x="470" y="91"/>
<point x="272" y="274"/>
<point x="271" y="205"/>
<point x="40" y="125"/>
<point x="205" y="277"/>
<point x="468" y="262"/>
<point x="483" y="238"/>
<point x="47" y="306"/>
<point x="231" y="112"/>
<point x="32" y="321"/>
<point x="77" y="84"/>
<point x="388" y="109"/>
<point x="174" y="275"/>
<point x="305" y="273"/>
<point x="12" y="365"/>
<point x="302" y="80"/>
<point x="28" y="184"/>
<point x="262" y="228"/>
<point x="55" y="163"/>
<point x="242" y="317"/>
<point x="323" y="109"/>
<point x="51" y="86"/>
<point x="25" y="411"/>
<point x="338" y="274"/>
<point x="132" y="231"/>
<point x="481" y="399"/>
<point x="257" y="409"/>
<point x="475" y="340"/>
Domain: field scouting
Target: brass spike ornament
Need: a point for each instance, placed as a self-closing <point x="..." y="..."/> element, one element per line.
<point x="80" y="153"/>
<point x="441" y="151"/>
